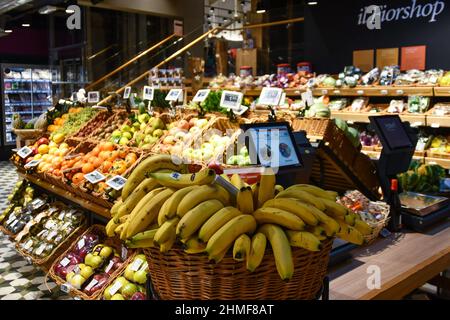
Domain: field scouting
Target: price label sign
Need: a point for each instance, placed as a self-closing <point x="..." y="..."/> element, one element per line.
<point x="93" y="97"/>
<point x="116" y="182"/>
<point x="136" y="264"/>
<point x="65" y="262"/>
<point x="74" y="97"/>
<point x="124" y="253"/>
<point x="242" y="109"/>
<point x="110" y="265"/>
<point x="283" y="99"/>
<point x="33" y="163"/>
<point x="81" y="243"/>
<point x="270" y="96"/>
<point x="174" y="94"/>
<point x="24" y="152"/>
<point x="201" y="95"/>
<point x="308" y="98"/>
<point x="127" y="92"/>
<point x="231" y="100"/>
<point x="94" y="177"/>
<point x="99" y="107"/>
<point x="117" y="285"/>
<point x="65" y="287"/>
<point x="148" y="93"/>
<point x="91" y="284"/>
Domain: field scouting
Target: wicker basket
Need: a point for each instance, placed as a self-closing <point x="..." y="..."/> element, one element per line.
<point x="90" y="126"/>
<point x="181" y="276"/>
<point x="112" y="242"/>
<point x="29" y="134"/>
<point x="46" y="263"/>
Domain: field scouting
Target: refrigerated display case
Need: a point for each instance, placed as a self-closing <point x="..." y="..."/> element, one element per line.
<point x="26" y="90"/>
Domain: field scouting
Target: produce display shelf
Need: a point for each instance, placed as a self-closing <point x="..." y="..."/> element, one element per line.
<point x="375" y="91"/>
<point x="445" y="163"/>
<point x="438" y="121"/>
<point x="26" y="91"/>
<point x="416" y="120"/>
<point x="88" y="205"/>
<point x="442" y="91"/>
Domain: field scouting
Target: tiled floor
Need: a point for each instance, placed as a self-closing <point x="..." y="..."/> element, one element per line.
<point x="19" y="279"/>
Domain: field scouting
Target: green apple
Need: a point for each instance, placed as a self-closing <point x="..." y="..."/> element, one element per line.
<point x="197" y="154"/>
<point x="105" y="252"/>
<point x="127" y="135"/>
<point x="142" y="126"/>
<point x="140" y="277"/>
<point x="123" y="141"/>
<point x="117" y="296"/>
<point x="141" y="257"/>
<point x="128" y="290"/>
<point x="144" y="118"/>
<point x="93" y="261"/>
<point x="146" y="146"/>
<point x="207" y="154"/>
<point x="69" y="276"/>
<point x="122" y="280"/>
<point x="158" y="124"/>
<point x="125" y="128"/>
<point x="106" y="294"/>
<point x="86" y="272"/>
<point x="158" y="133"/>
<point x="116" y="133"/>
<point x="77" y="281"/>
<point x="129" y="274"/>
<point x="142" y="289"/>
<point x="149" y="130"/>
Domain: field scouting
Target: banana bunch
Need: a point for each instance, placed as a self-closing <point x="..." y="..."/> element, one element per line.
<point x="192" y="212"/>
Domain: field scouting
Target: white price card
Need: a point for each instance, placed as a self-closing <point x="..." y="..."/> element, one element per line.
<point x="117" y="285"/>
<point x="174" y="94"/>
<point x="65" y="287"/>
<point x="29" y="260"/>
<point x="201" y="95"/>
<point x="40" y="249"/>
<point x="124" y="253"/>
<point x="94" y="177"/>
<point x="14" y="223"/>
<point x="148" y="93"/>
<point x="93" y="96"/>
<point x="127" y="92"/>
<point x="99" y="107"/>
<point x="74" y="97"/>
<point x="33" y="163"/>
<point x="270" y="96"/>
<point x="240" y="111"/>
<point x="91" y="284"/>
<point x="24" y="152"/>
<point x="65" y="262"/>
<point x="116" y="182"/>
<point x="136" y="264"/>
<point x="81" y="243"/>
<point x="282" y="99"/>
<point x="28" y="245"/>
<point x="231" y="100"/>
<point x="308" y="98"/>
<point x="109" y="266"/>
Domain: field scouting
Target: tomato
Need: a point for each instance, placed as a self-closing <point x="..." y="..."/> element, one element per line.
<point x="106" y="166"/>
<point x="119" y="167"/>
<point x="78" y="178"/>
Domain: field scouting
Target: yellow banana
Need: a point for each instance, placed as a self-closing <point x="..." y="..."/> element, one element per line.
<point x="151" y="164"/>
<point x="166" y="230"/>
<point x="225" y="236"/>
<point x="133" y="199"/>
<point x="257" y="249"/>
<point x="318" y="231"/>
<point x="110" y="227"/>
<point x="304" y="240"/>
<point x="241" y="248"/>
<point x="327" y="223"/>
<point x="144" y="201"/>
<point x="198" y="195"/>
<point x="333" y="208"/>
<point x="280" y="217"/>
<point x="193" y="246"/>
<point x="196" y="217"/>
<point x="123" y="233"/>
<point x="214" y="223"/>
<point x="225" y="176"/>
<point x="281" y="249"/>
<point x="142" y="239"/>
<point x="278" y="189"/>
<point x="139" y="221"/>
<point x="223" y="194"/>
<point x="169" y="208"/>
<point x="315" y="191"/>
<point x="115" y="208"/>
<point x="244" y="200"/>
<point x="363" y="227"/>
<point x="166" y="246"/>
<point x="255" y="191"/>
<point x="302" y="210"/>
<point x="124" y="218"/>
<point x="217" y="257"/>
<point x="237" y="181"/>
<point x="178" y="180"/>
<point x="302" y="196"/>
<point x="147" y="243"/>
<point x="350" y="234"/>
<point x="119" y="229"/>
<point x="266" y="187"/>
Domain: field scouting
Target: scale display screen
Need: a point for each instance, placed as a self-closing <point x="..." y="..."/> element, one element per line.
<point x="273" y="143"/>
<point x="394" y="132"/>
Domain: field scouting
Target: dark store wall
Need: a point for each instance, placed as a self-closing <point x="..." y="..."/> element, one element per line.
<point x="332" y="31"/>
<point x="24" y="46"/>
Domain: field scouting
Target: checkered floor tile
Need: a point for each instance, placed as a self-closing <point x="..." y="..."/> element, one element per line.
<point x="19" y="279"/>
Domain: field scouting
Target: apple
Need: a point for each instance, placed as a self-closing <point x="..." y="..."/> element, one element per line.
<point x="116" y="134"/>
<point x="140" y="277"/>
<point x="125" y="128"/>
<point x="93" y="261"/>
<point x="207" y="154"/>
<point x="195" y="130"/>
<point x="69" y="276"/>
<point x="158" y="133"/>
<point x="197" y="154"/>
<point x="127" y="135"/>
<point x="183" y="124"/>
<point x="42" y="141"/>
<point x="216" y="167"/>
<point x="128" y="290"/>
<point x="143" y="118"/>
<point x="201" y="123"/>
<point x="158" y="124"/>
<point x="124" y="140"/>
<point x="117" y="262"/>
<point x="180" y="135"/>
<point x="129" y="274"/>
<point x="138" y="296"/>
<point x="86" y="272"/>
<point x="106" y="294"/>
<point x="43" y="149"/>
<point x="106" y="252"/>
<point x="169" y="140"/>
<point x="117" y="296"/>
<point x="54" y="144"/>
<point x="77" y="281"/>
<point x="192" y="122"/>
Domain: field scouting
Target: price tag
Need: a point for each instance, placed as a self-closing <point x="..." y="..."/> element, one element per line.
<point x="384" y="92"/>
<point x="28" y="245"/>
<point x="435" y="125"/>
<point x="74" y="97"/>
<point x="282" y="99"/>
<point x="148" y="93"/>
<point x="94" y="177"/>
<point x="40" y="249"/>
<point x="360" y="92"/>
<point x="64" y="262"/>
<point x="270" y="96"/>
<point x="127" y="92"/>
<point x="14" y="223"/>
<point x="385" y="233"/>
<point x="174" y="94"/>
<point x="33" y="163"/>
<point x="65" y="287"/>
<point x="29" y="260"/>
<point x="99" y="107"/>
<point x="399" y="91"/>
<point x="231" y="100"/>
<point x="337" y="91"/>
<point x="136" y="264"/>
<point x="24" y="152"/>
<point x="240" y="111"/>
<point x="416" y="124"/>
<point x="124" y="253"/>
<point x="109" y="266"/>
<point x="61" y="215"/>
<point x="81" y="243"/>
<point x="65" y="225"/>
<point x="144" y="266"/>
<point x="116" y="182"/>
<point x="117" y="285"/>
<point x="93" y="97"/>
<point x="308" y="98"/>
<point x="201" y="95"/>
<point x="350" y="122"/>
<point x="51" y="235"/>
<point x="324" y="92"/>
<point x="91" y="284"/>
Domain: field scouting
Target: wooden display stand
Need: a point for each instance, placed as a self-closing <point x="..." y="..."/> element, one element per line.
<point x="247" y="57"/>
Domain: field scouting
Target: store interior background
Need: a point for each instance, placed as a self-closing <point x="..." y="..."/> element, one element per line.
<point x="114" y="31"/>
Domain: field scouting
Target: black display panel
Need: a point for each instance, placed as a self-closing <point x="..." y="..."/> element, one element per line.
<point x="393" y="132"/>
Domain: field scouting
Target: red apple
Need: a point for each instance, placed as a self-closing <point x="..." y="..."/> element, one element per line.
<point x="216" y="167"/>
<point x="183" y="124"/>
<point x="42" y="140"/>
<point x="138" y="296"/>
<point x="192" y="122"/>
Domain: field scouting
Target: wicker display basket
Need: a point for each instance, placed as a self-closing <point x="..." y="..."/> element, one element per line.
<point x="6" y="232"/>
<point x="112" y="242"/>
<point x="121" y="116"/>
<point x="92" y="125"/>
<point x="29" y="134"/>
<point x="46" y="263"/>
<point x="177" y="275"/>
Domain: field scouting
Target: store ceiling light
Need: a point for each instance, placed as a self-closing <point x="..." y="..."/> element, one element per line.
<point x="8" y="30"/>
<point x="25" y="24"/>
<point x="312" y="3"/>
<point x="260" y="8"/>
<point x="47" y="9"/>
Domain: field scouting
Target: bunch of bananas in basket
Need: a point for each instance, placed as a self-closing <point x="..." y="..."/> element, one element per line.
<point x="162" y="206"/>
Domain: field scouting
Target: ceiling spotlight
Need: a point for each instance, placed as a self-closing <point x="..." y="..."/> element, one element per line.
<point x="8" y="30"/>
<point x="211" y="10"/>
<point x="47" y="9"/>
<point x="312" y="3"/>
<point x="25" y="24"/>
<point x="260" y="8"/>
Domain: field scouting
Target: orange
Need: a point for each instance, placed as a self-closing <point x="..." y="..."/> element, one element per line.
<point x="103" y="155"/>
<point x="95" y="151"/>
<point x="98" y="162"/>
<point x="106" y="166"/>
<point x="107" y="146"/>
<point x="119" y="167"/>
<point x="78" y="178"/>
<point x="92" y="159"/>
<point x="122" y="153"/>
<point x="130" y="159"/>
<point x="113" y="155"/>
<point x="88" y="167"/>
